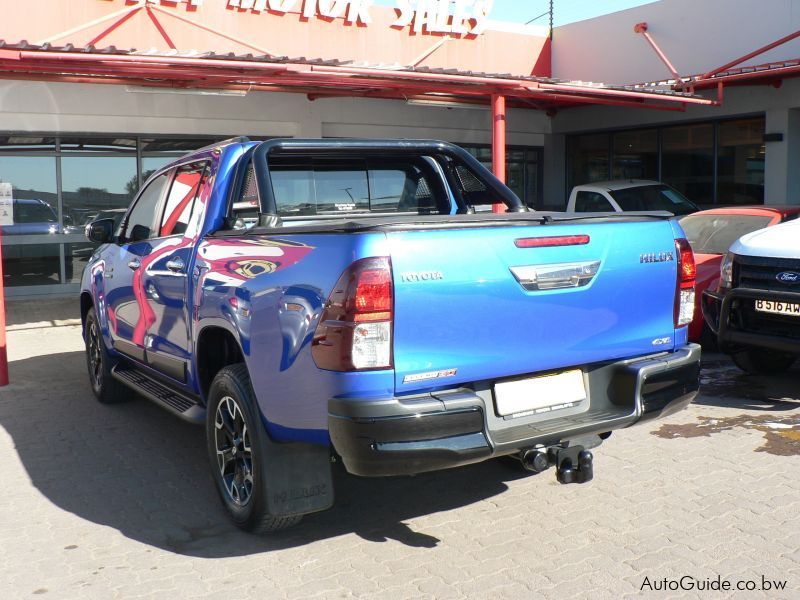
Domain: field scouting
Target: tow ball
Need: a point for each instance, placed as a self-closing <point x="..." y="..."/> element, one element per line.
<point x="573" y="464"/>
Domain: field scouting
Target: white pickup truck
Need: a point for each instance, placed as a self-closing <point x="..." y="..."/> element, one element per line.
<point x="755" y="312"/>
<point x="628" y="195"/>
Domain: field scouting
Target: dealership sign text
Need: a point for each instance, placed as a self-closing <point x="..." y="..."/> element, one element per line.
<point x="423" y="16"/>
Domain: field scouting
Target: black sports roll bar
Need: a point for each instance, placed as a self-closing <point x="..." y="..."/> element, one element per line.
<point x="387" y="148"/>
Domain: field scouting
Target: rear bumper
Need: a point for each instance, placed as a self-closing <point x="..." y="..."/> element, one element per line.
<point x="722" y="313"/>
<point x="400" y="436"/>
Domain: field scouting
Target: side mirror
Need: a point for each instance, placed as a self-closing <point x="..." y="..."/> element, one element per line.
<point x="100" y="231"/>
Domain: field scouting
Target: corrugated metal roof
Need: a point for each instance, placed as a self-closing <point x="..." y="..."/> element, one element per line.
<point x="764" y="70"/>
<point x="361" y="79"/>
<point x="386" y="69"/>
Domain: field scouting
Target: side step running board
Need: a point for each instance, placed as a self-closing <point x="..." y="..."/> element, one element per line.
<point x="181" y="405"/>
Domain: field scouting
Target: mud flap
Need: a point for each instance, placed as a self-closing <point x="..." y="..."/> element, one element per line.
<point x="298" y="478"/>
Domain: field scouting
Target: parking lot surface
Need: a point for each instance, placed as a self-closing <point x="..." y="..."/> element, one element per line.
<point x="116" y="502"/>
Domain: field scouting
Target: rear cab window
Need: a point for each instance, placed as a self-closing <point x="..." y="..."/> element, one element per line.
<point x="315" y="187"/>
<point x="592" y="202"/>
<point x="653" y="197"/>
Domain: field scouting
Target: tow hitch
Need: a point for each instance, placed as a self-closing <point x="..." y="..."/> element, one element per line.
<point x="573" y="464"/>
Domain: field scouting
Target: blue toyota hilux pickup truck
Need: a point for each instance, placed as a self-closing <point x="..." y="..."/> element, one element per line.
<point x="319" y="300"/>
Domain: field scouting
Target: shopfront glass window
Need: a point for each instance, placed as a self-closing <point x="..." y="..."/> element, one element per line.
<point x="522" y="171"/>
<point x="117" y="145"/>
<point x="635" y="154"/>
<point x="91" y="184"/>
<point x="31" y="253"/>
<point x="33" y="185"/>
<point x="25" y="143"/>
<point x="687" y="161"/>
<point x="176" y="146"/>
<point x="740" y="162"/>
<point x="588" y="158"/>
<point x="76" y="257"/>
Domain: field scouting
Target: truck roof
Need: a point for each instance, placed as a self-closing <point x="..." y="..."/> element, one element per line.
<point x="616" y="184"/>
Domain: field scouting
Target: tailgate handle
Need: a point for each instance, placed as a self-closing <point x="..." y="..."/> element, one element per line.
<point x="556" y="276"/>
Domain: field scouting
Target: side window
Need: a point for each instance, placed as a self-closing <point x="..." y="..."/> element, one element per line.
<point x="592" y="202"/>
<point x="181" y="199"/>
<point x="139" y="223"/>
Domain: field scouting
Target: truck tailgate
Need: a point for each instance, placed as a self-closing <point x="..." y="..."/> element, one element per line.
<point x="462" y="315"/>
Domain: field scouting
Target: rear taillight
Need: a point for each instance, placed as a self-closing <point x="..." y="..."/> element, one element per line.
<point x="684" y="293"/>
<point x="355" y="330"/>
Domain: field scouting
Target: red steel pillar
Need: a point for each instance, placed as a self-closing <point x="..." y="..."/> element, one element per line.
<point x="499" y="143"/>
<point x="3" y="353"/>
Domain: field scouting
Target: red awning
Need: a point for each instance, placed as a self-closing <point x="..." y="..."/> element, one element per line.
<point x="316" y="77"/>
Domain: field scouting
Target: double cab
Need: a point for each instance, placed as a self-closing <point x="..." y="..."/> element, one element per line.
<point x="310" y="301"/>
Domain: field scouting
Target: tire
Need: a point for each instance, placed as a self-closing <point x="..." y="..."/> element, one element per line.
<point x="99" y="364"/>
<point x="237" y="445"/>
<point x="759" y="361"/>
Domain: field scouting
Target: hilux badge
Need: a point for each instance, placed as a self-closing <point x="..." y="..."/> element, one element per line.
<point x="788" y="277"/>
<point x="656" y="257"/>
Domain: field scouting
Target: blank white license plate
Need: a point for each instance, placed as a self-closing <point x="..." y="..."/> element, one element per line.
<point x="539" y="394"/>
<point x="778" y="308"/>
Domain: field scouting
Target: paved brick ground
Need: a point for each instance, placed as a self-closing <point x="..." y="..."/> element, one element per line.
<point x="115" y="502"/>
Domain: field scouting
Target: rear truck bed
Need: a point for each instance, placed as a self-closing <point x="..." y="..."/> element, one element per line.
<point x="517" y="338"/>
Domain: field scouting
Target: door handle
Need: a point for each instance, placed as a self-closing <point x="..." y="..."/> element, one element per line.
<point x="175" y="264"/>
<point x="134" y="264"/>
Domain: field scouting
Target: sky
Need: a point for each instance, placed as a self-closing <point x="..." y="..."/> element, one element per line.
<point x="564" y="11"/>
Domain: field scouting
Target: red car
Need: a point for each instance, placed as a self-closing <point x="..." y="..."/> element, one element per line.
<point x="711" y="233"/>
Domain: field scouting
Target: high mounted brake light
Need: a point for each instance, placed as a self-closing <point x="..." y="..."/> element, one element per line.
<point x="355" y="330"/>
<point x="684" y="291"/>
<point x="551" y="241"/>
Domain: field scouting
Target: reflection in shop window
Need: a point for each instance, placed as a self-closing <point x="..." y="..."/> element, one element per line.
<point x="76" y="256"/>
<point x="29" y="255"/>
<point x="740" y="162"/>
<point x="121" y="144"/>
<point x="687" y="161"/>
<point x="635" y="154"/>
<point x="588" y="158"/>
<point x="31" y="264"/>
<point x="25" y="143"/>
<point x="91" y="184"/>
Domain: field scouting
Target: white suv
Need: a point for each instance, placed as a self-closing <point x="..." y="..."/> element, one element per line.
<point x="756" y="310"/>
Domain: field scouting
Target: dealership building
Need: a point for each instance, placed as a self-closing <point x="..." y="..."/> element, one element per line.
<point x="96" y="94"/>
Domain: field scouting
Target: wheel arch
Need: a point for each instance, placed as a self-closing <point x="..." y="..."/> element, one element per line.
<point x="87" y="303"/>
<point x="216" y="347"/>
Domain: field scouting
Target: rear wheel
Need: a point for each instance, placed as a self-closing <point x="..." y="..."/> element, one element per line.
<point x="236" y="448"/>
<point x="99" y="363"/>
<point x="760" y="361"/>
